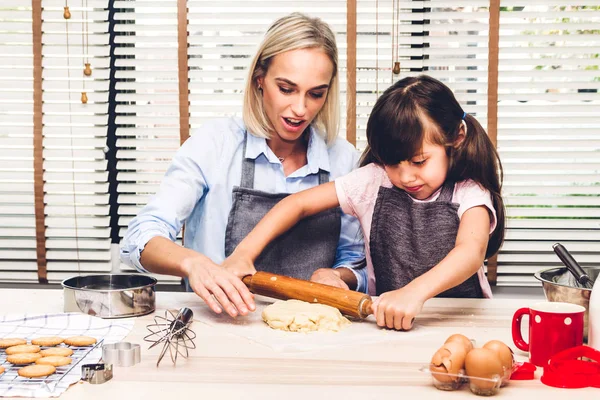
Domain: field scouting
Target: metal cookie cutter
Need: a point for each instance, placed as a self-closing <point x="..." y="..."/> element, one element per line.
<point x="96" y="373"/>
<point x="123" y="354"/>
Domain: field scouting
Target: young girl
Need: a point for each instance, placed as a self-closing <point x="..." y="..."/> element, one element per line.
<point x="427" y="196"/>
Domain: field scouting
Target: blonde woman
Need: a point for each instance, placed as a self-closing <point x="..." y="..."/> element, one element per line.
<point x="231" y="172"/>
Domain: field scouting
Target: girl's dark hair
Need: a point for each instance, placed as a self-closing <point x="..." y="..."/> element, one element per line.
<point x="415" y="108"/>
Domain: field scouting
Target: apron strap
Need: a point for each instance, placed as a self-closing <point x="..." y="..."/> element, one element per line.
<point x="247" y="180"/>
<point x="447" y="192"/>
<point x="323" y="176"/>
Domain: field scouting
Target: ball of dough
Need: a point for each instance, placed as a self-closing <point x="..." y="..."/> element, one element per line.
<point x="300" y="316"/>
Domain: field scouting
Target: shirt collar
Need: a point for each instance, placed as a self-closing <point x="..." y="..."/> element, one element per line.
<point x="317" y="153"/>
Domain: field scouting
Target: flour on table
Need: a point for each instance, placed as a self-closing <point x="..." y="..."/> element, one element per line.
<point x="300" y="316"/>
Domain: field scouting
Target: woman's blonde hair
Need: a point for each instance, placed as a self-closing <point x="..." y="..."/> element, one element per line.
<point x="292" y="32"/>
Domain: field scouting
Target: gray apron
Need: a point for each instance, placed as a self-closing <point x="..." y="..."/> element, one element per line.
<point x="306" y="247"/>
<point x="410" y="238"/>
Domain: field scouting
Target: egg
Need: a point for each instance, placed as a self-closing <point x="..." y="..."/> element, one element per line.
<point x="449" y="359"/>
<point x="484" y="364"/>
<point x="439" y="366"/>
<point x="468" y="345"/>
<point x="504" y="354"/>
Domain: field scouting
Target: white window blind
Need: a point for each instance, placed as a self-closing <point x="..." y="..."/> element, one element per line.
<point x="223" y="38"/>
<point x="76" y="188"/>
<point x="387" y="31"/>
<point x="434" y="37"/>
<point x="147" y="102"/>
<point x="549" y="133"/>
<point x="548" y="124"/>
<point x="456" y="51"/>
<point x="442" y="40"/>
<point x="17" y="216"/>
<point x="75" y="170"/>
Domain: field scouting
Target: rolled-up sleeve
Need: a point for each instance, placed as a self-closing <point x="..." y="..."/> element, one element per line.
<point x="182" y="187"/>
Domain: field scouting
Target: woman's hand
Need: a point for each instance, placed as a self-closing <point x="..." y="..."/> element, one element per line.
<point x="208" y="279"/>
<point x="397" y="309"/>
<point x="329" y="276"/>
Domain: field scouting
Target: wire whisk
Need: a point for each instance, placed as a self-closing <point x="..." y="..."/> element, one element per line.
<point x="174" y="331"/>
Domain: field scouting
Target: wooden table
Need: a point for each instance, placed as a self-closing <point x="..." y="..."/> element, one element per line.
<point x="234" y="367"/>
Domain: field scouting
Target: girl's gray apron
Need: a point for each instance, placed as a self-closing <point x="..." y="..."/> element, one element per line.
<point x="410" y="238"/>
<point x="309" y="245"/>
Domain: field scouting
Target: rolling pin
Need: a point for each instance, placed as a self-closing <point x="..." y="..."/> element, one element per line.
<point x="281" y="287"/>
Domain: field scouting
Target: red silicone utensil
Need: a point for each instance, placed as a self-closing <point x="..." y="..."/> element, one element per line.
<point x="566" y="370"/>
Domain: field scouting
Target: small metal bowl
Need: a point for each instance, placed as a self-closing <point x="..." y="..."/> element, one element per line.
<point x="568" y="294"/>
<point x="110" y="296"/>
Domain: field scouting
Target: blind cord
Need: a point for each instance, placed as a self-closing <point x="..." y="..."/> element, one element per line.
<point x="71" y="146"/>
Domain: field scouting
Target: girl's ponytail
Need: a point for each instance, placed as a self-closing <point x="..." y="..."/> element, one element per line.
<point x="476" y="158"/>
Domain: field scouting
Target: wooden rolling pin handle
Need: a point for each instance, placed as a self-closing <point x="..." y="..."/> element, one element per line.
<point x="365" y="308"/>
<point x="349" y="302"/>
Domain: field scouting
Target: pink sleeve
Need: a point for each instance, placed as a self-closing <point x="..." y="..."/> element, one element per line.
<point x="357" y="191"/>
<point x="469" y="194"/>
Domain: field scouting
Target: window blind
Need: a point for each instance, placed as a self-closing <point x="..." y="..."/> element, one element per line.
<point x="549" y="134"/>
<point x="388" y="31"/>
<point x="17" y="216"/>
<point x="75" y="169"/>
<point x="455" y="51"/>
<point x="434" y="37"/>
<point x="147" y="109"/>
<point x="74" y="138"/>
<point x="223" y="38"/>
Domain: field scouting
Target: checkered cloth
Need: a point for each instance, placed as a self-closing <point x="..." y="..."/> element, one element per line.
<point x="31" y="326"/>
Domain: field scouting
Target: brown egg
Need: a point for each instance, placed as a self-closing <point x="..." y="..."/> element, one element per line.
<point x="449" y="359"/>
<point x="439" y="366"/>
<point x="504" y="354"/>
<point x="468" y="345"/>
<point x="485" y="364"/>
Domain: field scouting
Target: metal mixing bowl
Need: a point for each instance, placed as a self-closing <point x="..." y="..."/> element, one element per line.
<point x="559" y="292"/>
<point x="110" y="296"/>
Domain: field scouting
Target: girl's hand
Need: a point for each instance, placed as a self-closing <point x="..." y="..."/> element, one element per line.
<point x="209" y="281"/>
<point x="397" y="309"/>
<point x="329" y="276"/>
<point x="239" y="265"/>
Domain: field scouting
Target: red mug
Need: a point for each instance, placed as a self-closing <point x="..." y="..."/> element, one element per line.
<point x="553" y="327"/>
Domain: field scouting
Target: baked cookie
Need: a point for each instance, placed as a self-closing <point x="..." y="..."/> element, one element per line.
<point x="35" y="371"/>
<point x="23" y="348"/>
<point x="1" y="369"/>
<point x="57" y="361"/>
<point x="23" y="358"/>
<point x="47" y="341"/>
<point x="4" y="343"/>
<point x="80" y="341"/>
<point x="56" y="351"/>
